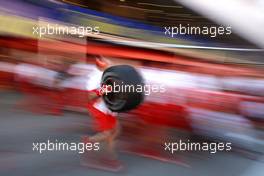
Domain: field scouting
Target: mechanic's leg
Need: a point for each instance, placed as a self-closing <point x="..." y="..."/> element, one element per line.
<point x="107" y="158"/>
<point x="108" y="140"/>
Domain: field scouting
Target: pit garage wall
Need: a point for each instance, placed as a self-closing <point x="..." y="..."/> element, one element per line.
<point x="55" y="47"/>
<point x="12" y="25"/>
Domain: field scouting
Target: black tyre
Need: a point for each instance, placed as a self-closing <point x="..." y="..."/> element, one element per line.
<point x="124" y="79"/>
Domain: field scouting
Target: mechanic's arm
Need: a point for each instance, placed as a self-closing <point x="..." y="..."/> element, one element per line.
<point x="96" y="93"/>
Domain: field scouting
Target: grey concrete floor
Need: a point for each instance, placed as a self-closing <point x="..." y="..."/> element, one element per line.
<point x="19" y="129"/>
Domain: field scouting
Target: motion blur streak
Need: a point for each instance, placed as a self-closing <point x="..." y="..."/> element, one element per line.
<point x="246" y="19"/>
<point x="212" y="99"/>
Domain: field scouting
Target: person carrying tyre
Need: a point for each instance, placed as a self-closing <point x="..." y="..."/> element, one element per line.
<point x="106" y="123"/>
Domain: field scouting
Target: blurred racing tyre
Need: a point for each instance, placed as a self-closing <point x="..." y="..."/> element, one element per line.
<point x="124" y="80"/>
